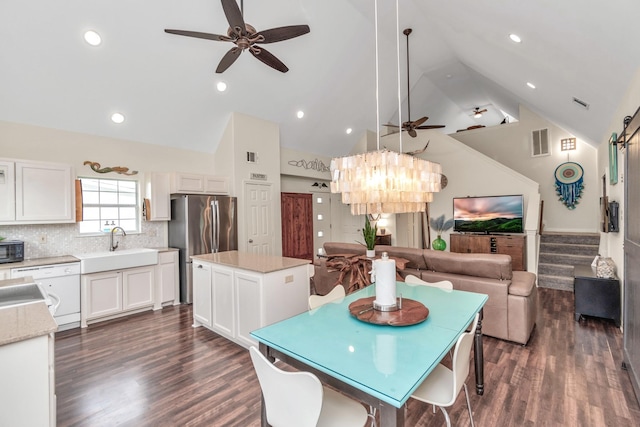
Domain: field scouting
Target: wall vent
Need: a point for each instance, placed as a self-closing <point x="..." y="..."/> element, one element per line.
<point x="540" y="143"/>
<point x="252" y="157"/>
<point x="581" y="103"/>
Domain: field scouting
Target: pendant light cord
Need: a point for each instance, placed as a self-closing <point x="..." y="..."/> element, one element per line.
<point x="377" y="79"/>
<point x="398" y="70"/>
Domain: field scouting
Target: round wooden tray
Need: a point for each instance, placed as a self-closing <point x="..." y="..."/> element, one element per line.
<point x="411" y="313"/>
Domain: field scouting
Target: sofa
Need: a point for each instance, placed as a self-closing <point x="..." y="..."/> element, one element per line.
<point x="510" y="312"/>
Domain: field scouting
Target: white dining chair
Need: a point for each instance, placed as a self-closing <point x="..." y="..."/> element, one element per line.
<point x="410" y="279"/>
<point x="318" y="300"/>
<point x="298" y="399"/>
<point x="442" y="386"/>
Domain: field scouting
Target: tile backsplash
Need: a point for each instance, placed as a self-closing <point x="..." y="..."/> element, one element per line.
<point x="65" y="239"/>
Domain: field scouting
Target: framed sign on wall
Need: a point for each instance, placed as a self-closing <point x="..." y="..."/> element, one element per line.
<point x="613" y="159"/>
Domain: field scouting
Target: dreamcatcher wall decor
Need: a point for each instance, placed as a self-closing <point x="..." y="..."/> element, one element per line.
<point x="569" y="183"/>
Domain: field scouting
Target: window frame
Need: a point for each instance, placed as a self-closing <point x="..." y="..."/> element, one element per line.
<point x="102" y="184"/>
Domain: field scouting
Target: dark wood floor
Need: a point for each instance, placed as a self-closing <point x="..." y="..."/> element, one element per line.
<point x="154" y="369"/>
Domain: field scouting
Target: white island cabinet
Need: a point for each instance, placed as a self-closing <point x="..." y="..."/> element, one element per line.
<point x="235" y="293"/>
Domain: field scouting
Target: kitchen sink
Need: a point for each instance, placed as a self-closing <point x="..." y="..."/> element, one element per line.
<point x="19" y="294"/>
<point x="96" y="262"/>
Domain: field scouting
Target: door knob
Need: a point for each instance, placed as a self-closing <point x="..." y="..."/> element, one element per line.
<point x="250" y="240"/>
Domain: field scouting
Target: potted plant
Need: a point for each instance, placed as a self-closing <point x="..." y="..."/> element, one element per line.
<point x="369" y="233"/>
<point x="440" y="225"/>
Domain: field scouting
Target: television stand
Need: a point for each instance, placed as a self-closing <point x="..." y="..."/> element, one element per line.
<point x="512" y="245"/>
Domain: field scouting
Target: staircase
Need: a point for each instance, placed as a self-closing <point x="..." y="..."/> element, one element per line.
<point x="560" y="252"/>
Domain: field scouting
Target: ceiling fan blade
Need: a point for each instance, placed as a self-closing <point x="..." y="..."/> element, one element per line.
<point x="283" y="33"/>
<point x="234" y="16"/>
<point x="430" y="127"/>
<point x="391" y="125"/>
<point x="199" y="35"/>
<point x="419" y="121"/>
<point x="266" y="57"/>
<point x="228" y="59"/>
<point x="412" y="133"/>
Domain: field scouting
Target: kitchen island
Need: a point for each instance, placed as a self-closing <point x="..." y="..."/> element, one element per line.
<point x="27" y="388"/>
<point x="236" y="292"/>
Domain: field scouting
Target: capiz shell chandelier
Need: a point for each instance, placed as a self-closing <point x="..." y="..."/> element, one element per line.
<point x="385" y="182"/>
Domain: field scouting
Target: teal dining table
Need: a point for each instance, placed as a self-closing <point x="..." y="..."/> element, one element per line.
<point x="380" y="365"/>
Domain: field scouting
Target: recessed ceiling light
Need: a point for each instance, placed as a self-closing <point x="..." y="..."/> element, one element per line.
<point x="117" y="118"/>
<point x="300" y="114"/>
<point x="349" y="130"/>
<point x="531" y="85"/>
<point x="92" y="38"/>
<point x="515" y="38"/>
<point x="221" y="86"/>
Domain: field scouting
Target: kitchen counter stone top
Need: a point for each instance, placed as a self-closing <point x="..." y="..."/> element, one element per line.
<point x="25" y="321"/>
<point x="34" y="262"/>
<point x="250" y="261"/>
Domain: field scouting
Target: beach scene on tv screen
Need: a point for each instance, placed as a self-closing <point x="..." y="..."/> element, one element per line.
<point x="496" y="214"/>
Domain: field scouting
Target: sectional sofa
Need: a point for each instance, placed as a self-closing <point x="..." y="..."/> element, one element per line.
<point x="510" y="312"/>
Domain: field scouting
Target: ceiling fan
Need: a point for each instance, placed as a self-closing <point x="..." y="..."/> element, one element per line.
<point x="245" y="36"/>
<point x="411" y="126"/>
<point x="477" y="112"/>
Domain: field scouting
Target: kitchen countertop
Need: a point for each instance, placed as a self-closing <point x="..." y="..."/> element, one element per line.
<point x="34" y="262"/>
<point x="251" y="262"/>
<point x="23" y="321"/>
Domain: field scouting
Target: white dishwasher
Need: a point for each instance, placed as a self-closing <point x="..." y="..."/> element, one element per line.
<point x="63" y="280"/>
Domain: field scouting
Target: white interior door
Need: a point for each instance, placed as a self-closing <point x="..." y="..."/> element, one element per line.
<point x="259" y="215"/>
<point x="345" y="227"/>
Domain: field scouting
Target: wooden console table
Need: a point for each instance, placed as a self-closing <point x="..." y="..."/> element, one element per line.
<point x="595" y="296"/>
<point x="512" y="245"/>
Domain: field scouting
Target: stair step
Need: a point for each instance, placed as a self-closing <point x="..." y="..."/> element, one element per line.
<point x="563" y="270"/>
<point x="569" y="249"/>
<point x="555" y="282"/>
<point x="570" y="238"/>
<point x="553" y="258"/>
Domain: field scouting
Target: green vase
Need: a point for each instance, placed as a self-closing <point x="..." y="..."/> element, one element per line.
<point x="439" y="244"/>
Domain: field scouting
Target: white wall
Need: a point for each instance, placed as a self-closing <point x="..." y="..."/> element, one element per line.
<point x="249" y="134"/>
<point x="611" y="244"/>
<point x="510" y="145"/>
<point x="471" y="173"/>
<point x="22" y="141"/>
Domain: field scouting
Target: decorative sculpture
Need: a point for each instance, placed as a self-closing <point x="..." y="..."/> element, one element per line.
<point x="569" y="183"/>
<point x="95" y="166"/>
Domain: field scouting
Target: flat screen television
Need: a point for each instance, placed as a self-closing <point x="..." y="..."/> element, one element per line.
<point x="488" y="214"/>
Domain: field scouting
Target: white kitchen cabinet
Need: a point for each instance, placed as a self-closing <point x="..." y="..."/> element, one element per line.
<point x="158" y="192"/>
<point x="43" y="193"/>
<point x="7" y="191"/>
<point x="201" y="294"/>
<point x="137" y="288"/>
<point x="248" y="290"/>
<point x="223" y="301"/>
<point x="28" y="382"/>
<point x="195" y="183"/>
<point x="167" y="279"/>
<point x="239" y="300"/>
<point x="116" y="293"/>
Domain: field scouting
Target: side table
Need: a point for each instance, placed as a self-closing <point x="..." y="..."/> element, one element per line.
<point x="595" y="296"/>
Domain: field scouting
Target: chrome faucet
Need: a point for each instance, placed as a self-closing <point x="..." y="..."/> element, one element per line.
<point x="114" y="230"/>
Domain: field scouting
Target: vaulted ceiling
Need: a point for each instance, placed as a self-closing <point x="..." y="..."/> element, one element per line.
<point x="460" y="54"/>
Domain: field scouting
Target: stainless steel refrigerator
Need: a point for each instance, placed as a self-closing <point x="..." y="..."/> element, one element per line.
<point x="201" y="224"/>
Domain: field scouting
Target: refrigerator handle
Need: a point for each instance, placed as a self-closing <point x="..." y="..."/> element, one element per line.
<point x="215" y="229"/>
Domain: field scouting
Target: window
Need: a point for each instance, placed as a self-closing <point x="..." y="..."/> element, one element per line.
<point x="540" y="143"/>
<point x="107" y="203"/>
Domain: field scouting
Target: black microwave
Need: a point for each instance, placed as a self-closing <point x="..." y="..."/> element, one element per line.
<point x="11" y="251"/>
